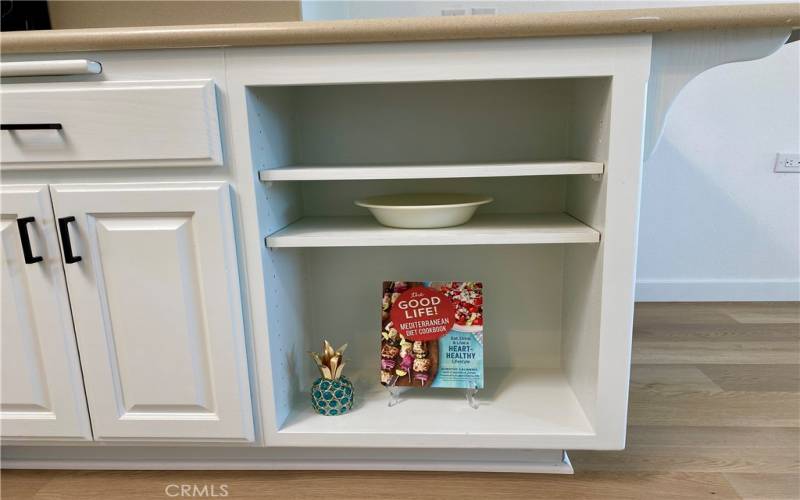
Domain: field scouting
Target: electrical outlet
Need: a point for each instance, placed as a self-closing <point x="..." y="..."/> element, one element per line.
<point x="787" y="163"/>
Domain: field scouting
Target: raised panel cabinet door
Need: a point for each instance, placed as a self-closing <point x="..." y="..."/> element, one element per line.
<point x="153" y="280"/>
<point x="42" y="396"/>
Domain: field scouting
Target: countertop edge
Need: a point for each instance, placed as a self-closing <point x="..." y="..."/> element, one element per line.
<point x="532" y="25"/>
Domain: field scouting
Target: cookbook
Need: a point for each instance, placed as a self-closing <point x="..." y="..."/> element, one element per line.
<point x="432" y="334"/>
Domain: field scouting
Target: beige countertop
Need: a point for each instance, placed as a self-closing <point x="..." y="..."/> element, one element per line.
<point x="404" y="30"/>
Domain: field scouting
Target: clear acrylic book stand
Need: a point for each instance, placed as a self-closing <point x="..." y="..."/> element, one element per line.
<point x="471" y="395"/>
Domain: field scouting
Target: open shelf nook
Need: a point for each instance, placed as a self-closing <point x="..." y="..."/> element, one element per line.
<point x="538" y="359"/>
<point x="539" y="148"/>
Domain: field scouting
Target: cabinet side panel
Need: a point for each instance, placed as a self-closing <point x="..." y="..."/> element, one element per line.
<point x="271" y="121"/>
<point x="610" y="205"/>
<point x="586" y="199"/>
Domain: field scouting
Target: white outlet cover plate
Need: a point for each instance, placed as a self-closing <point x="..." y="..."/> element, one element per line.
<point x="787" y="163"/>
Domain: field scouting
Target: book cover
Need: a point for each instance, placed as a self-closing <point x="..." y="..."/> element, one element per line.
<point x="432" y="334"/>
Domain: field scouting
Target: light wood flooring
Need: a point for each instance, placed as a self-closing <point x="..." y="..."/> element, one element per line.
<point x="714" y="413"/>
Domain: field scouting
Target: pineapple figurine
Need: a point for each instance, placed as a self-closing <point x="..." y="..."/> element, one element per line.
<point x="332" y="393"/>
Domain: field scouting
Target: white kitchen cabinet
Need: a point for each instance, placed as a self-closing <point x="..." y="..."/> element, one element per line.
<point x="551" y="126"/>
<point x="42" y="392"/>
<point x="155" y="297"/>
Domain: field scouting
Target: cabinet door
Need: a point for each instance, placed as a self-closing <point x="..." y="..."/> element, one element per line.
<point x="42" y="392"/>
<point x="155" y="299"/>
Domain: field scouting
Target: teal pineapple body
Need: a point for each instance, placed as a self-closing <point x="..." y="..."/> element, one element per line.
<point x="332" y="397"/>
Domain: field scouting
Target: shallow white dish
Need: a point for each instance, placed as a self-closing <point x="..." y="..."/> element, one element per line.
<point x="424" y="210"/>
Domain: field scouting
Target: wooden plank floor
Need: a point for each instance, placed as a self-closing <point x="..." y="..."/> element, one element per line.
<point x="714" y="413"/>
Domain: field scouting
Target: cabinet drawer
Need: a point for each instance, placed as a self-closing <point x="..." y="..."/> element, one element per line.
<point x="110" y="124"/>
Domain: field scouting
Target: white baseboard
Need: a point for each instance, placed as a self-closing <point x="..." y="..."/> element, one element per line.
<point x="94" y="457"/>
<point x="717" y="290"/>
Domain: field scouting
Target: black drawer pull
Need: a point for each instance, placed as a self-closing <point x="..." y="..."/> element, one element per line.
<point x="31" y="126"/>
<point x="27" y="253"/>
<point x="66" y="244"/>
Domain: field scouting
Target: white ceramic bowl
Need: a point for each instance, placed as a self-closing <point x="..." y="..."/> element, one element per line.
<point x="424" y="210"/>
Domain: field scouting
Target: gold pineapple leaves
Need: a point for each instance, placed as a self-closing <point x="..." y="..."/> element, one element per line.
<point x="330" y="362"/>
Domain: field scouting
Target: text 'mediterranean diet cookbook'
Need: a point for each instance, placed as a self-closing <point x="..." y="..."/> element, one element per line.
<point x="432" y="334"/>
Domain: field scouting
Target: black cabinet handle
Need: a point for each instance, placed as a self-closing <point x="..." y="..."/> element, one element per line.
<point x="31" y="126"/>
<point x="22" y="225"/>
<point x="66" y="244"/>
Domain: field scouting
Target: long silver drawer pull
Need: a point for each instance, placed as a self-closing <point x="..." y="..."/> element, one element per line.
<point x="51" y="68"/>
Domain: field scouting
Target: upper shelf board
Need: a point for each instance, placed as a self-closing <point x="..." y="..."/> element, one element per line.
<point x="483" y="229"/>
<point x="432" y="171"/>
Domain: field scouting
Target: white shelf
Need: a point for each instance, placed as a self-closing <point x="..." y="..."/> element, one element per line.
<point x="432" y="171"/>
<point x="488" y="229"/>
<point x="520" y="407"/>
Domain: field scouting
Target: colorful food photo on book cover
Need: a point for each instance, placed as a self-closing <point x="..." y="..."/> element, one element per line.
<point x="432" y="334"/>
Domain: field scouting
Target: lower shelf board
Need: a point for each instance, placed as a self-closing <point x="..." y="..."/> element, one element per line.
<point x="483" y="229"/>
<point x="519" y="408"/>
